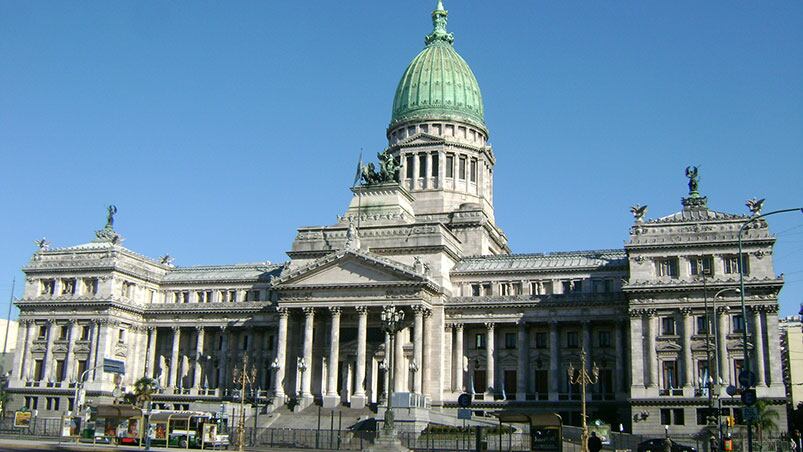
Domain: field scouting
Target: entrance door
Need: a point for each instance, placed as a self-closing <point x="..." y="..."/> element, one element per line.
<point x="510" y="383"/>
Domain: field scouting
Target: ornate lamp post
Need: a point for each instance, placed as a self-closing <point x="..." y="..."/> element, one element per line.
<point x="583" y="378"/>
<point x="391" y="324"/>
<point x="740" y="257"/>
<point x="243" y="377"/>
<point x="301" y="365"/>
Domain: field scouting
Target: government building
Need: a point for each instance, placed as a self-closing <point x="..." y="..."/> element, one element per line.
<point x="659" y="319"/>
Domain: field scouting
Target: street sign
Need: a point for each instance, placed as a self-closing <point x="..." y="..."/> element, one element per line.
<point x="113" y="366"/>
<point x="747" y="379"/>
<point x="750" y="414"/>
<point x="463" y="413"/>
<point x="749" y="397"/>
<point x="464" y="400"/>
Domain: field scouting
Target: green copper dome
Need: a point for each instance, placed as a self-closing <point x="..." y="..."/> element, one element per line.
<point x="438" y="84"/>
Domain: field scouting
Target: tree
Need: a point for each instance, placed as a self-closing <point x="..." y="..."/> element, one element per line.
<point x="767" y="420"/>
<point x="144" y="388"/>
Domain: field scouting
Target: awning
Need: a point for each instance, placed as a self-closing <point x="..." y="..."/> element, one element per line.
<point x="123" y="411"/>
<point x="524" y="417"/>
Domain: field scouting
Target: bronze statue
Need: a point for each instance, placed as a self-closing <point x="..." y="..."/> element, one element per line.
<point x="691" y="173"/>
<point x="388" y="170"/>
<point x="110" y="212"/>
<point x="638" y="212"/>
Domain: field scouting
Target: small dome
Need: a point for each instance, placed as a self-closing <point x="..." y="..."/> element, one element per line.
<point x="438" y="84"/>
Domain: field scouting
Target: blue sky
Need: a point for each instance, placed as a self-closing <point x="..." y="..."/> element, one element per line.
<point x="218" y="128"/>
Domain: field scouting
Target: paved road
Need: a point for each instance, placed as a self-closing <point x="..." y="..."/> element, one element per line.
<point x="8" y="444"/>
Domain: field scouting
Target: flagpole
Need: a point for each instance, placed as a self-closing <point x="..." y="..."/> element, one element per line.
<point x="8" y="317"/>
<point x="359" y="196"/>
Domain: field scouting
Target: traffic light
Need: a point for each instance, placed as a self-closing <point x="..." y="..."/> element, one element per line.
<point x="730" y="421"/>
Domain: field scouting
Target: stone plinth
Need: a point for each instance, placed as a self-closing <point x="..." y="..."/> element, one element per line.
<point x="380" y="204"/>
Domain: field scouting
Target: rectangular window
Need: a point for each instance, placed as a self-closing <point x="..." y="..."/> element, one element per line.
<point x="70" y="404"/>
<point x="479" y="341"/>
<point x="738" y="323"/>
<point x="422" y="165"/>
<point x="668" y="326"/>
<point x="700" y="265"/>
<point x="702" y="324"/>
<point x="37" y="370"/>
<point x="449" y="166"/>
<point x="567" y="286"/>
<point x="91" y="286"/>
<point x="666" y="416"/>
<point x="47" y="287"/>
<point x="473" y="170"/>
<point x="85" y="333"/>
<point x="542" y="383"/>
<point x="510" y="340"/>
<point x="409" y="166"/>
<point x="702" y="416"/>
<point x="68" y="287"/>
<point x="121" y="336"/>
<point x="703" y="374"/>
<point x="667" y="267"/>
<point x="185" y="297"/>
<point x="670" y="374"/>
<point x="462" y="169"/>
<point x="487" y="289"/>
<point x="81" y="368"/>
<point x="504" y="289"/>
<point x="42" y="331"/>
<point x="731" y="264"/>
<point x="480" y="383"/>
<point x="63" y="332"/>
<point x="476" y="289"/>
<point x="678" y="416"/>
<point x="605" y="339"/>
<point x="232" y="296"/>
<point x="60" y="370"/>
<point x="572" y="339"/>
<point x="540" y="340"/>
<point x="435" y="163"/>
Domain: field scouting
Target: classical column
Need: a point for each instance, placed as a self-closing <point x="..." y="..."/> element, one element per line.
<point x="150" y="362"/>
<point x="399" y="369"/>
<point x="758" y="332"/>
<point x="416" y="169"/>
<point x="447" y="362"/>
<point x="459" y="354"/>
<point x="69" y="359"/>
<point x="93" y="349"/>
<point x="306" y="376"/>
<point x="489" y="349"/>
<point x="46" y="362"/>
<point x="418" y="342"/>
<point x="620" y="379"/>
<point x="281" y="353"/>
<point x="524" y="352"/>
<point x="332" y="399"/>
<point x="554" y="372"/>
<point x="636" y="349"/>
<point x="23" y="339"/>
<point x="722" y="333"/>
<point x="223" y="364"/>
<point x="652" y="330"/>
<point x="174" y="375"/>
<point x="358" y="399"/>
<point x="688" y="364"/>
<point x="429" y="355"/>
<point x="428" y="172"/>
<point x="774" y="353"/>
<point x="199" y="356"/>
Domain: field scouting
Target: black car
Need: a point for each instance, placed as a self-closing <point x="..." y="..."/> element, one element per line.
<point x="657" y="445"/>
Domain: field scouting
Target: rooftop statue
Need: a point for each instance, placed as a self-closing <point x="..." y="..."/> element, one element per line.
<point x="691" y="173"/>
<point x="755" y="205"/>
<point x="388" y="170"/>
<point x="42" y="244"/>
<point x="638" y="212"/>
<point x="111" y="211"/>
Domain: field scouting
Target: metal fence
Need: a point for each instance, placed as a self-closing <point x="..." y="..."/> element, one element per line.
<point x="38" y="427"/>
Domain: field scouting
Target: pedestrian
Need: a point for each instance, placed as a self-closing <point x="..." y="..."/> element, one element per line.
<point x="594" y="443"/>
<point x="797" y="441"/>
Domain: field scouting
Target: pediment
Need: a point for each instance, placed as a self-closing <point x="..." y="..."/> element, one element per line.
<point x="349" y="268"/>
<point x="668" y="346"/>
<point x="421" y="139"/>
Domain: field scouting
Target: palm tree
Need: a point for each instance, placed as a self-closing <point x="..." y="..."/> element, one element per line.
<point x="766" y="420"/>
<point x="144" y="388"/>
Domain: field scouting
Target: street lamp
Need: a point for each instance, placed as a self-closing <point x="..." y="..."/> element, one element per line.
<point x="275" y="366"/>
<point x="740" y="259"/>
<point x="583" y="378"/>
<point x="392" y="319"/>
<point x="301" y="365"/>
<point x="243" y="377"/>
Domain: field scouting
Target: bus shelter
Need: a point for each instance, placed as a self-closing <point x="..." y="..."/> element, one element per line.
<point x="546" y="429"/>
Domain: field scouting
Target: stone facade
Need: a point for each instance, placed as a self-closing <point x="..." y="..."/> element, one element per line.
<point x="503" y="327"/>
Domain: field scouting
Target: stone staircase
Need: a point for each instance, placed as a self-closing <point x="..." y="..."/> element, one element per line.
<point x="307" y="419"/>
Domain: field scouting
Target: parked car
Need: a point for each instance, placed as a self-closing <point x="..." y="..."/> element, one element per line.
<point x="657" y="445"/>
